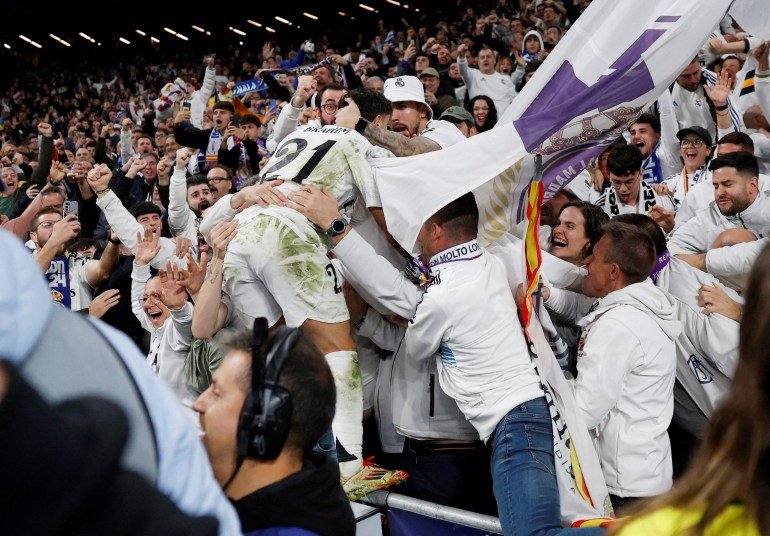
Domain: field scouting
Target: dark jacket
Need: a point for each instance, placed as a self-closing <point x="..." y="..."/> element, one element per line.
<point x="230" y="157"/>
<point x="187" y="135"/>
<point x="61" y="472"/>
<point x="311" y="499"/>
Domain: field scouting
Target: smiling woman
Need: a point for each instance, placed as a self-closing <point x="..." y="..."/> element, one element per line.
<point x="578" y="228"/>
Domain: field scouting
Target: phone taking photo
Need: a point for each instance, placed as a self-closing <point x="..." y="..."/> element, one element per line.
<point x="186" y="105"/>
<point x="70" y="207"/>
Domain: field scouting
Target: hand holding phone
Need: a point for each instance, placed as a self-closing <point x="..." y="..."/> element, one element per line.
<point x="70" y="207"/>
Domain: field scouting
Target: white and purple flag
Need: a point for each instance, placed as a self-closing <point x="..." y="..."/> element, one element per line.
<point x="617" y="58"/>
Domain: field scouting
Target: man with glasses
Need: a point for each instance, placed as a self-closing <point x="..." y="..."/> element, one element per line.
<point x="72" y="277"/>
<point x="628" y="192"/>
<point x="220" y="182"/>
<point x="327" y="99"/>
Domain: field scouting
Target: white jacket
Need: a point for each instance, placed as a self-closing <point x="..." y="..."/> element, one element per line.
<point x="702" y="194"/>
<point x="496" y="86"/>
<point x="419" y="407"/>
<point x="200" y="98"/>
<point x="181" y="219"/>
<point x="732" y="264"/>
<point x="169" y="344"/>
<point x="126" y="227"/>
<point x="698" y="234"/>
<point x="706" y="350"/>
<point x="625" y="385"/>
<point x="469" y="316"/>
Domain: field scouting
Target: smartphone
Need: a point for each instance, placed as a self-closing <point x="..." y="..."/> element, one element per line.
<point x="272" y="106"/>
<point x="186" y="105"/>
<point x="70" y="207"/>
<point x="235" y="121"/>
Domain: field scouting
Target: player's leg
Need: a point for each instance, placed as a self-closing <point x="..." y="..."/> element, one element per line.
<point x="303" y="281"/>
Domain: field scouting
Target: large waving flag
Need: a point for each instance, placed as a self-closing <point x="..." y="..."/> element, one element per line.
<point x="617" y="58"/>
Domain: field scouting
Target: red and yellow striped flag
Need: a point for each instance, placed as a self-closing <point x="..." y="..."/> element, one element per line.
<point x="532" y="255"/>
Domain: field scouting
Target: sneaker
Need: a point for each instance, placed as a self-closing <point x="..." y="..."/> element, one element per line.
<point x="372" y="477"/>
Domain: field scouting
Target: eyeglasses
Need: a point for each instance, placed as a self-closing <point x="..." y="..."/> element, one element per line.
<point x="330" y="108"/>
<point x="217" y="180"/>
<point x="44" y="225"/>
<point x="692" y="143"/>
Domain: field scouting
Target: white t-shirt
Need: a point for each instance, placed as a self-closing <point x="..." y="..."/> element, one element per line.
<point x="442" y="132"/>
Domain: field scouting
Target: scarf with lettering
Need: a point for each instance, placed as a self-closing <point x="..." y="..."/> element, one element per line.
<point x="212" y="151"/>
<point x="660" y="264"/>
<point x="58" y="275"/>
<point x="647" y="200"/>
<point x="652" y="170"/>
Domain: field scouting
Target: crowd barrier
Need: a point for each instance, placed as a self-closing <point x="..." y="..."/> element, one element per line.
<point x="407" y="516"/>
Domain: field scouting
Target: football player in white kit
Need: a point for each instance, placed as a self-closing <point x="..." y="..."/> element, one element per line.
<point x="277" y="265"/>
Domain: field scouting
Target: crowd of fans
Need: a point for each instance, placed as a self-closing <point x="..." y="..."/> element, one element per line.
<point x="179" y="209"/>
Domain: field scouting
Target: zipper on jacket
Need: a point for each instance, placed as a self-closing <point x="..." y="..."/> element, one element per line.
<point x="431" y="385"/>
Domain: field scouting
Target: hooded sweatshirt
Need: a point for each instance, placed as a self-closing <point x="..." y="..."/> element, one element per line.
<point x="527" y="55"/>
<point x="706" y="350"/>
<point x="311" y="499"/>
<point x="625" y="385"/>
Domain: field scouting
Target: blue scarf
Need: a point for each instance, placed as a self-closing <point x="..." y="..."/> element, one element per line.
<point x="58" y="275"/>
<point x="652" y="171"/>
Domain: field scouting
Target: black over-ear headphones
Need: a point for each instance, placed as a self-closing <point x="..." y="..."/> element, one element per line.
<point x="266" y="415"/>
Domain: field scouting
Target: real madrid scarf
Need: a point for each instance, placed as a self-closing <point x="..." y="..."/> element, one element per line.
<point x="212" y="150"/>
<point x="652" y="170"/>
<point x="646" y="201"/>
<point x="58" y="275"/>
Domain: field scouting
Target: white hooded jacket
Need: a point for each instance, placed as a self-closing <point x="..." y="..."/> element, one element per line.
<point x="625" y="385"/>
<point x="706" y="350"/>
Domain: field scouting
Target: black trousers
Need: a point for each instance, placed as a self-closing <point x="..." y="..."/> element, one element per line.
<point x="457" y="476"/>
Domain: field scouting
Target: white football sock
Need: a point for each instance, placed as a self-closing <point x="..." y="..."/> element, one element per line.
<point x="347" y="426"/>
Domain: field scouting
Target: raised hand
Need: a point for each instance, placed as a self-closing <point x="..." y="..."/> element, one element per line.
<point x="194" y="275"/>
<point x="173" y="293"/>
<point x="104" y="302"/>
<point x="306" y="86"/>
<point x="721" y="90"/>
<point x="64" y="230"/>
<point x="182" y="157"/>
<point x="45" y="129"/>
<point x="182" y="246"/>
<point x="99" y="178"/>
<point x="148" y="246"/>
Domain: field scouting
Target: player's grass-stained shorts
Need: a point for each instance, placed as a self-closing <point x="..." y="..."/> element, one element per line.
<point x="277" y="264"/>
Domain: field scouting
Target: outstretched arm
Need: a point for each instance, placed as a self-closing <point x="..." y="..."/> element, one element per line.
<point x="399" y="145"/>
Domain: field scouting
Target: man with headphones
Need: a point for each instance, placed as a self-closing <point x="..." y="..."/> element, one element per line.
<point x="268" y="405"/>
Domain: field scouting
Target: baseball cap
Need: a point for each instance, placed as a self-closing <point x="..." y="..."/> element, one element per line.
<point x="457" y="114"/>
<point x="406" y="89"/>
<point x="429" y="71"/>
<point x="701" y="132"/>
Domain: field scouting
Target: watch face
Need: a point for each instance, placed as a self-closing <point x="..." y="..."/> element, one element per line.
<point x="338" y="226"/>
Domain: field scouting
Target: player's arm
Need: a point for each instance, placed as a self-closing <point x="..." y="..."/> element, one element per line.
<point x="399" y="145"/>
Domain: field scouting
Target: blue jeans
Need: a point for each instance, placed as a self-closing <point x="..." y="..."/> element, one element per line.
<point x="524" y="476"/>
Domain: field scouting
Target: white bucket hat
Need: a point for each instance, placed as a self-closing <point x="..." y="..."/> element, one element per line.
<point x="406" y="88"/>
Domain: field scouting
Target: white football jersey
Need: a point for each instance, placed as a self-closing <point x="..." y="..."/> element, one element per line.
<point x="328" y="157"/>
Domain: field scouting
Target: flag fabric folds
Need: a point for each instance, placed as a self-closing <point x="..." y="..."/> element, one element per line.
<point x="613" y="62"/>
